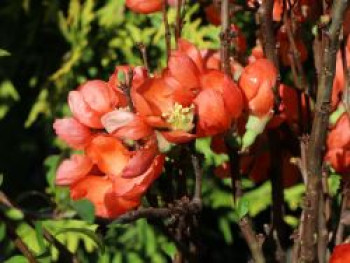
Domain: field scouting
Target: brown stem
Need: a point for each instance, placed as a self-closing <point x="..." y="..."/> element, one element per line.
<point x="178" y="25"/>
<point x="340" y="231"/>
<point x="166" y="28"/>
<point x="278" y="224"/>
<point x="180" y="207"/>
<point x="296" y="60"/>
<point x="346" y="93"/>
<point x="251" y="239"/>
<point x="197" y="197"/>
<point x="268" y="36"/>
<point x="17" y="241"/>
<point x="143" y="51"/>
<point x="309" y="239"/>
<point x="245" y="223"/>
<point x="269" y="40"/>
<point x="225" y="37"/>
<point x="126" y="88"/>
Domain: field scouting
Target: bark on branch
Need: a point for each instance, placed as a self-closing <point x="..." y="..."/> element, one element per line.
<point x="309" y="238"/>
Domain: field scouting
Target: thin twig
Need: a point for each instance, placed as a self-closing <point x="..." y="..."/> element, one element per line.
<point x="143" y="51"/>
<point x="340" y="231"/>
<point x="268" y="36"/>
<point x="346" y="92"/>
<point x="318" y="136"/>
<point x="166" y="28"/>
<point x="197" y="197"/>
<point x="178" y="24"/>
<point x="225" y="37"/>
<point x="251" y="238"/>
<point x="296" y="59"/>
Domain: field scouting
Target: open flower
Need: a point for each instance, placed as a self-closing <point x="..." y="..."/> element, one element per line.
<point x="110" y="176"/>
<point x="257" y="81"/>
<point x="172" y="100"/>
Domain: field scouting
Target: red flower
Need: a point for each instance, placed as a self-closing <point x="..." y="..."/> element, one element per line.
<point x="118" y="180"/>
<point x="72" y="132"/>
<point x="257" y="81"/>
<point x="341" y="254"/>
<point x="91" y="101"/>
<point x="144" y="6"/>
<point x="338" y="144"/>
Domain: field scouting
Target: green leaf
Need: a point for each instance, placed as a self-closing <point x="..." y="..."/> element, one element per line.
<point x="334" y="117"/>
<point x="242" y="208"/>
<point x="17" y="259"/>
<point x="2" y="231"/>
<point x="258" y="199"/>
<point x="202" y="145"/>
<point x="83" y="231"/>
<point x="225" y="228"/>
<point x="14" y="214"/>
<point x="334" y="182"/>
<point x="294" y="195"/>
<point x="40" y="235"/>
<point x="1" y="179"/>
<point x="85" y="210"/>
<point x="291" y="220"/>
<point x="169" y="249"/>
<point x="68" y="232"/>
<point x="51" y="163"/>
<point x="4" y="53"/>
<point x="8" y="96"/>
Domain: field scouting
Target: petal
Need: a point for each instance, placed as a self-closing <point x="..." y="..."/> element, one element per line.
<point x="144" y="6"/>
<point x="178" y="136"/>
<point x="184" y="70"/>
<point x="191" y="51"/>
<point x="134" y="187"/>
<point x="262" y="103"/>
<point x="126" y="125"/>
<point x="339" y="136"/>
<point x="118" y="205"/>
<point x="211" y="59"/>
<point x="95" y="189"/>
<point x="109" y="154"/>
<point x="181" y="94"/>
<point x="72" y="170"/>
<point x="158" y="95"/>
<point x="98" y="96"/>
<point x="213" y="117"/>
<point x="341" y="254"/>
<point x="71" y="131"/>
<point x="141" y="160"/>
<point x="82" y="111"/>
<point x="233" y="98"/>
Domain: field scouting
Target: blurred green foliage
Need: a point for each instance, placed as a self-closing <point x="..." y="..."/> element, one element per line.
<point x="50" y="47"/>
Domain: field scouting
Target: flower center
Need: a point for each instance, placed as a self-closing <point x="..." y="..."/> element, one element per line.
<point x="180" y="118"/>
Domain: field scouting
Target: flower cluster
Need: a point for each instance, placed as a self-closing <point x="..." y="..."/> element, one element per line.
<point x="126" y="125"/>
